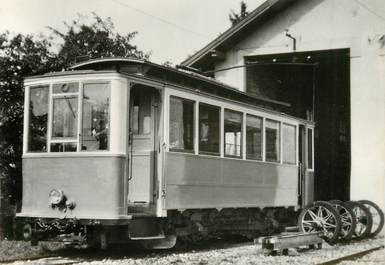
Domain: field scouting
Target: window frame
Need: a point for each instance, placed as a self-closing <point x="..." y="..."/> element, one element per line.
<point x="279" y="134"/>
<point x="63" y="139"/>
<point x="27" y="119"/>
<point x="224" y="134"/>
<point x="262" y="137"/>
<point x="80" y="124"/>
<point x="194" y="103"/>
<point x="245" y="109"/>
<point x="295" y="143"/>
<point x="51" y="97"/>
<point x="220" y="130"/>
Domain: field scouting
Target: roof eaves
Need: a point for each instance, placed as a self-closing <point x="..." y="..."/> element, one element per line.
<point x="230" y="32"/>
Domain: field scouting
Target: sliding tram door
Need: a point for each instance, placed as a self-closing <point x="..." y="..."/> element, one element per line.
<point x="142" y="154"/>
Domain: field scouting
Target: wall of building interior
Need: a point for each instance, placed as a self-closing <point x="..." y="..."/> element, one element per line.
<point x="327" y="25"/>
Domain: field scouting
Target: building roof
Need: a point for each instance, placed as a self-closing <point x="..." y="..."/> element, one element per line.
<point x="203" y="59"/>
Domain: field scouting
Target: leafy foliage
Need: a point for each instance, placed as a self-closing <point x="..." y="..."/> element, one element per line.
<point x="26" y="55"/>
<point x="236" y="18"/>
<point x="83" y="42"/>
<point x="20" y="56"/>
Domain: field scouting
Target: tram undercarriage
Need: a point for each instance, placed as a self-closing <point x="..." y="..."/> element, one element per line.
<point x="188" y="226"/>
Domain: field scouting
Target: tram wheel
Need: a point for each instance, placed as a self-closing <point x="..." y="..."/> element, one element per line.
<point x="363" y="219"/>
<point x="347" y="217"/>
<point x="321" y="216"/>
<point x="377" y="217"/>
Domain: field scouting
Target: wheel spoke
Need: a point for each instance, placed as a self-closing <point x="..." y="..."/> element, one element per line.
<point x="328" y="225"/>
<point x="313" y="215"/>
<point x="361" y="229"/>
<point x="309" y="223"/>
<point x="328" y="216"/>
<point x="319" y="212"/>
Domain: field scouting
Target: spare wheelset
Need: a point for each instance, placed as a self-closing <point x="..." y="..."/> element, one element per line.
<point x="342" y="221"/>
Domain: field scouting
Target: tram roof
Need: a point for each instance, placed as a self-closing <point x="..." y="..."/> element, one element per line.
<point x="174" y="75"/>
<point x="170" y="75"/>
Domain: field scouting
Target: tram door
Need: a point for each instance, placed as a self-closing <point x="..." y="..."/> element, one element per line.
<point x="306" y="166"/>
<point x="143" y="129"/>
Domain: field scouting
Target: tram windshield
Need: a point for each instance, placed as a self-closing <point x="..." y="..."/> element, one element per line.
<point x="65" y="118"/>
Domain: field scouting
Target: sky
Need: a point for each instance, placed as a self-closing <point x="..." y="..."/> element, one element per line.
<point x="171" y="29"/>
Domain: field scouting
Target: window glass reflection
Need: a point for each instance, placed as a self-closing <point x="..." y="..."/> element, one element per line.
<point x="65" y="88"/>
<point x="233" y="133"/>
<point x="272" y="132"/>
<point x="209" y="129"/>
<point x="65" y="116"/>
<point x="141" y="111"/>
<point x="181" y="124"/>
<point x="289" y="143"/>
<point x="63" y="147"/>
<point x="38" y="113"/>
<point x="95" y="127"/>
<point x="253" y="137"/>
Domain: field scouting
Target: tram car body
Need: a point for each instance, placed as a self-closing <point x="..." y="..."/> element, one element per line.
<point x="123" y="149"/>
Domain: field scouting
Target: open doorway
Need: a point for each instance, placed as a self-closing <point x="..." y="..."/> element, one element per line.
<point x="317" y="85"/>
<point x="143" y="121"/>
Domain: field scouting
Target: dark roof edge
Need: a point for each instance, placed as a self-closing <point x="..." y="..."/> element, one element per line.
<point x="228" y="33"/>
<point x="265" y="7"/>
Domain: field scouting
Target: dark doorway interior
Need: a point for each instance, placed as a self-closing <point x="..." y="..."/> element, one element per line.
<point x="317" y="85"/>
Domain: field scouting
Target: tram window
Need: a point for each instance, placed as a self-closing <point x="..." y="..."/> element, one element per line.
<point x="65" y="88"/>
<point x="63" y="147"/>
<point x="310" y="148"/>
<point x="181" y="124"/>
<point x="38" y="113"/>
<point x="96" y="108"/>
<point x="232" y="133"/>
<point x="289" y="143"/>
<point x="253" y="137"/>
<point x="65" y="117"/>
<point x="209" y="129"/>
<point x="141" y="112"/>
<point x="272" y="144"/>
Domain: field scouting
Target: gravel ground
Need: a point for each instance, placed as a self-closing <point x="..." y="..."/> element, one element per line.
<point x="240" y="254"/>
<point x="18" y="249"/>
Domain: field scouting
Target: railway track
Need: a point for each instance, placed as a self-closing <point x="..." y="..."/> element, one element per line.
<point x="350" y="257"/>
<point x="43" y="259"/>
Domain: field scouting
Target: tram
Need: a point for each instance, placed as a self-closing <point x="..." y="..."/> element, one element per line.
<point x="122" y="149"/>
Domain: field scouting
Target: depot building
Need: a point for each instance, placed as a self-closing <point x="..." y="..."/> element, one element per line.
<point x="326" y="59"/>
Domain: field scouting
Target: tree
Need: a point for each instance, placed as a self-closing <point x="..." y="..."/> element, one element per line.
<point x="83" y="42"/>
<point x="26" y="55"/>
<point x="236" y="18"/>
<point x="20" y="55"/>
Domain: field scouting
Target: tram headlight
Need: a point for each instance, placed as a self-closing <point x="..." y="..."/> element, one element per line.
<point x="55" y="197"/>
